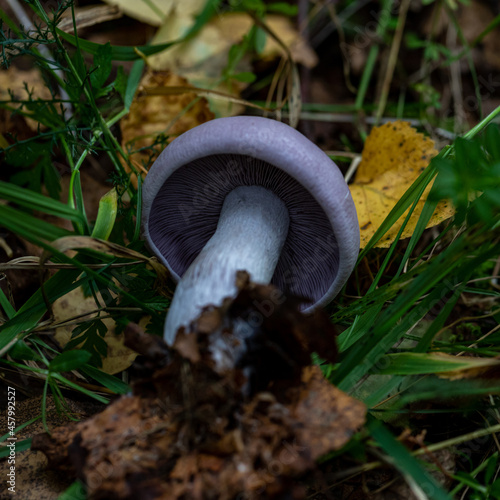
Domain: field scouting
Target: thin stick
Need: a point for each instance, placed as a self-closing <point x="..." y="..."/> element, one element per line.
<point x="393" y="57"/>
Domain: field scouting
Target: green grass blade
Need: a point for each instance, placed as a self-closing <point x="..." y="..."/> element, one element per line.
<point x="20" y="446"/>
<point x="133" y="80"/>
<point x="69" y="360"/>
<point x="77" y="491"/>
<point x="416" y="475"/>
<point x="20" y="428"/>
<point x="209" y="10"/>
<point x="82" y="225"/>
<point x="6" y="305"/>
<point x="118" y="53"/>
<point x="413" y="363"/>
<point x="400" y="208"/>
<point x="29" y="227"/>
<point x="439" y="279"/>
<point x="36" y="201"/>
<point x="109" y="381"/>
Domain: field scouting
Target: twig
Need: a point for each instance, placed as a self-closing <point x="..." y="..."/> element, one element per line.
<point x="393" y="57"/>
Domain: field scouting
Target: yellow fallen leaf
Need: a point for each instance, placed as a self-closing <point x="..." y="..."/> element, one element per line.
<point x="395" y="154"/>
<point x="151" y="116"/>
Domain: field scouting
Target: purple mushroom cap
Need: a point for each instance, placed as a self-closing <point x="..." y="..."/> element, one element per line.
<point x="185" y="189"/>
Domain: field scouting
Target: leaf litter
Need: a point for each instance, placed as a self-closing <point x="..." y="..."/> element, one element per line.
<point x="234" y="407"/>
<point x="394" y="155"/>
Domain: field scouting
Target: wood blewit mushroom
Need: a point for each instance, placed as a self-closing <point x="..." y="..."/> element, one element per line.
<point x="253" y="194"/>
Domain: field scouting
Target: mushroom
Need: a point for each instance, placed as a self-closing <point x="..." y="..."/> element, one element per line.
<point x="248" y="193"/>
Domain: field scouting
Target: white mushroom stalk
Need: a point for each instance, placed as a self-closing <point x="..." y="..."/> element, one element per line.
<point x="250" y="235"/>
<point x="279" y="193"/>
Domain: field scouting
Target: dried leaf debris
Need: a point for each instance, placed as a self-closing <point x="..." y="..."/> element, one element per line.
<point x="233" y="408"/>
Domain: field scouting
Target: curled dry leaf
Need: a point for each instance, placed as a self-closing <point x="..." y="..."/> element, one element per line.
<point x="395" y="154"/>
<point x="156" y="115"/>
<point x="232" y="408"/>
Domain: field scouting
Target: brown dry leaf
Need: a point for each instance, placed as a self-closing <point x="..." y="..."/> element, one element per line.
<point x="154" y="115"/>
<point x="329" y="416"/>
<point x="74" y="304"/>
<point x="14" y="79"/>
<point x="395" y="154"/>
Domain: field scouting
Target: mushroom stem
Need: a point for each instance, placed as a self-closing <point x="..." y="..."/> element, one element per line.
<point x="250" y="235"/>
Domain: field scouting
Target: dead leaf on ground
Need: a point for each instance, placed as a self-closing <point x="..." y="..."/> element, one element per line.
<point x="155" y="115"/>
<point x="16" y="80"/>
<point x="73" y="305"/>
<point x="395" y="154"/>
<point x="197" y="426"/>
<point x="202" y="59"/>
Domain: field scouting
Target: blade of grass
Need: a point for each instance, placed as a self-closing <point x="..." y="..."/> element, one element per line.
<point x="417" y="476"/>
<point x="400" y="208"/>
<point x="6" y="305"/>
<point x="23" y="445"/>
<point x="36" y="201"/>
<point x="133" y="80"/>
<point x="413" y="363"/>
<point x="118" y="53"/>
<point x="109" y="381"/>
<point x="20" y="428"/>
<point x="400" y="317"/>
<point x="29" y="227"/>
<point x="373" y="55"/>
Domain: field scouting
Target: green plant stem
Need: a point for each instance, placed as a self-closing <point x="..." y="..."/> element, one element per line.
<point x="482" y="124"/>
<point x="81" y="228"/>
